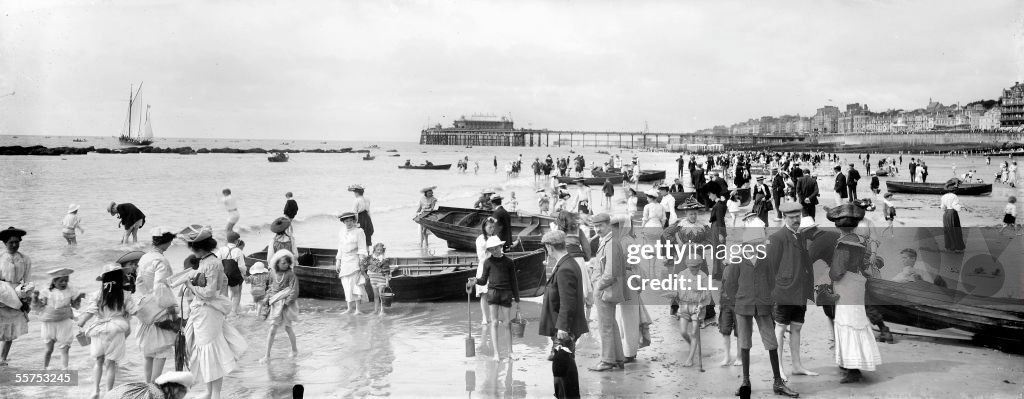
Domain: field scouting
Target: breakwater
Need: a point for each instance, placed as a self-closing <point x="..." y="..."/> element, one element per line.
<point x="56" y="151"/>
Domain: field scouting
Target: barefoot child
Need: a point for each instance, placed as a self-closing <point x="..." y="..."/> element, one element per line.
<point x="377" y="269"/>
<point x="108" y="311"/>
<point x="282" y="299"/>
<point x="1010" y="216"/>
<point x="58" y="319"/>
<point x="259" y="283"/>
<point x="70" y="224"/>
<point x="727" y="314"/>
<point x="692" y="297"/>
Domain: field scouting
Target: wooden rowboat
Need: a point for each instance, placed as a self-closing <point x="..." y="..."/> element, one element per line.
<point x="591" y="181"/>
<point x="279" y="157"/>
<point x="926" y="305"/>
<point x="413" y="279"/>
<point x="461" y="226"/>
<point x="937" y="188"/>
<point x="646" y="175"/>
<point x="427" y="167"/>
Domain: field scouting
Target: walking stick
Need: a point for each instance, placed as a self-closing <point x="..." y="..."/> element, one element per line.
<point x="470" y="343"/>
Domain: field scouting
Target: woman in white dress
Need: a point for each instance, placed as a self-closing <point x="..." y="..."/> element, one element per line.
<point x="15" y="268"/>
<point x="215" y="346"/>
<point x="487" y="230"/>
<point x="654" y="213"/>
<point x="351" y="251"/>
<point x="856" y="349"/>
<point x="156" y="343"/>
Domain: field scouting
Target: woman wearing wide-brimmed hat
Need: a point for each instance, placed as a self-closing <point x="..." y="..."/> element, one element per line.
<point x="282" y="238"/>
<point x="351" y="251"/>
<point x="427" y="204"/>
<point x="214" y="345"/>
<point x="362" y="211"/>
<point x="15" y="268"/>
<point x="153" y="267"/>
<point x="950" y="205"/>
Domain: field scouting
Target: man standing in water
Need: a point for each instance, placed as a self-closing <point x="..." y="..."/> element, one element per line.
<point x="794" y="282"/>
<point x="232" y="207"/>
<point x="131" y="218"/>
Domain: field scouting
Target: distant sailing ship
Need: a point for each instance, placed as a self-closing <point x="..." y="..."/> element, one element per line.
<point x="143" y="130"/>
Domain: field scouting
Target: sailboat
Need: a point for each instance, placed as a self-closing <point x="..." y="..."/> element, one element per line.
<point x="142" y="134"/>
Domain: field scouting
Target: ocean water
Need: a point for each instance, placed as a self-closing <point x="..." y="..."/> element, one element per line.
<point x="341" y="356"/>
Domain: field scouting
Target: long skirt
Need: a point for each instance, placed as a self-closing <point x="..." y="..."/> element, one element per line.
<point x="354" y="292"/>
<point x="214" y="345"/>
<point x="951" y="230"/>
<point x="13" y="323"/>
<point x="855" y="343"/>
<point x="155" y="342"/>
<point x="365" y="223"/>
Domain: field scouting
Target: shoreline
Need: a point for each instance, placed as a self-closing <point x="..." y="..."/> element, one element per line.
<point x="40" y="150"/>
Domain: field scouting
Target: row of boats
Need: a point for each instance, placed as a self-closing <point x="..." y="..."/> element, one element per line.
<point x="998" y="321"/>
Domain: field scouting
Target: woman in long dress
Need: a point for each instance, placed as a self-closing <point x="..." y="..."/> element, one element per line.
<point x="950" y="205"/>
<point x="856" y="349"/>
<point x="487" y="230"/>
<point x="15" y="268"/>
<point x="362" y="211"/>
<point x="156" y="343"/>
<point x="215" y="346"/>
<point x="351" y="251"/>
<point x="427" y="204"/>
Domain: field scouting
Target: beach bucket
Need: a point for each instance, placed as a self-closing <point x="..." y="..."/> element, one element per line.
<point x="83" y="339"/>
<point x="518" y="326"/>
<point x="386" y="296"/>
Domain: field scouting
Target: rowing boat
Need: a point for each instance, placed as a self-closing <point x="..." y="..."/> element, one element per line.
<point x="591" y="181"/>
<point x="413" y="279"/>
<point x="926" y="305"/>
<point x="461" y="226"/>
<point x="936" y="188"/>
<point x="427" y="167"/>
<point x="646" y="175"/>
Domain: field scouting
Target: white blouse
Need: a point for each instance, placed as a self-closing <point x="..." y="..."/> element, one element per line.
<point x="351" y="244"/>
<point x="950" y="201"/>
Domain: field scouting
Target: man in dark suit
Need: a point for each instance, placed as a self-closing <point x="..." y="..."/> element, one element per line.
<point x="807" y="193"/>
<point x="502" y="221"/>
<point x="913" y="169"/>
<point x="788" y="257"/>
<point x="853" y="176"/>
<point x="697" y="177"/>
<point x="778" y="190"/>
<point x="562" y="315"/>
<point x="676" y="187"/>
<point x="840" y="186"/>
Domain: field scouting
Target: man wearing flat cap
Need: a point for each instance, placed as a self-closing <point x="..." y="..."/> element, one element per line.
<point x="852" y="177"/>
<point x="562" y="313"/>
<point x="788" y="257"/>
<point x="609" y="290"/>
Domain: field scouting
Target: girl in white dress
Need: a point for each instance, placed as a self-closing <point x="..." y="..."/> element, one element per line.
<point x="482" y="255"/>
<point x="351" y="251"/>
<point x="108" y="310"/>
<point x="58" y="319"/>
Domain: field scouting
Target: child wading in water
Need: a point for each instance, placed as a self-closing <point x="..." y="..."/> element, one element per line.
<point x="259" y="283"/>
<point x="70" y="224"/>
<point x="282" y="299"/>
<point x="1010" y="217"/>
<point x="691" y="303"/>
<point x="109" y="314"/>
<point x="377" y="269"/>
<point x="58" y="319"/>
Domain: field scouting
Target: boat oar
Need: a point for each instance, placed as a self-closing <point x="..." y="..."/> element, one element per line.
<point x="470" y="343"/>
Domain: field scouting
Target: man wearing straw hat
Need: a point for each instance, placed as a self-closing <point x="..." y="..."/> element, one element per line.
<point x="609" y="290"/>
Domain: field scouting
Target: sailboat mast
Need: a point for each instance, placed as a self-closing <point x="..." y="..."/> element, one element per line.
<point x="131" y="90"/>
<point x="139" y="130"/>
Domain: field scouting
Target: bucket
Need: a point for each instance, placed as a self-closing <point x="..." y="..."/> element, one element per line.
<point x="83" y="339"/>
<point x="386" y="296"/>
<point x="518" y="326"/>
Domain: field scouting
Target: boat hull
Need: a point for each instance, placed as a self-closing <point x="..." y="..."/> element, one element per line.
<point x="134" y="141"/>
<point x="425" y="167"/>
<point x="646" y="175"/>
<point x="936" y="188"/>
<point x="461" y="226"/>
<point x="413" y="279"/>
<point x="591" y="181"/>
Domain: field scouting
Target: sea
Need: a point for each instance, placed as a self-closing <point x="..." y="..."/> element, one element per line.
<point x="372" y="357"/>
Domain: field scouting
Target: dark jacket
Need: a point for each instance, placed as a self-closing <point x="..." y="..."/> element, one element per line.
<point x="291" y="208"/>
<point x="697" y="178"/>
<point x="853" y="176"/>
<point x="778" y="184"/>
<point x="794" y="279"/>
<point x="503" y="226"/>
<point x="129" y="214"/>
<point x="499" y="274"/>
<point x="874" y="182"/>
<point x="754" y="283"/>
<point x="718" y="211"/>
<point x="840" y="186"/>
<point x="807" y="188"/>
<point x="563" y="301"/>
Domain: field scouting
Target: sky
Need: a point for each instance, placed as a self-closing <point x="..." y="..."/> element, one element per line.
<point x="357" y="70"/>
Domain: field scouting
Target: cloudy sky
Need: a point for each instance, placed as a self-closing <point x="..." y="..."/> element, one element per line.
<point x="383" y="69"/>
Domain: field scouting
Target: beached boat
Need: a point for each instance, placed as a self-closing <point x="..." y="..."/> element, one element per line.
<point x="279" y="157"/>
<point x="881" y="173"/>
<point x="591" y="181"/>
<point x="413" y="279"/>
<point x="427" y="166"/>
<point x="391" y="150"/>
<point x="926" y="305"/>
<point x="937" y="188"/>
<point x="684" y="197"/>
<point x="646" y="175"/>
<point x="369" y="157"/>
<point x="461" y="226"/>
<point x="143" y="130"/>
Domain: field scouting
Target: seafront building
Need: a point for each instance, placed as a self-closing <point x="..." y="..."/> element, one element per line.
<point x="1012" y="104"/>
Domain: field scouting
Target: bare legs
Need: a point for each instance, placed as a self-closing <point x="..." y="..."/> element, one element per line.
<point x="794" y="348"/>
<point x="690" y="330"/>
<point x="270" y="342"/>
<point x="352" y="307"/>
<point x="3" y="353"/>
<point x="500" y="316"/>
<point x="213" y="389"/>
<point x="103" y="366"/>
<point x="236" y="298"/>
<point x="154" y="367"/>
<point x="484" y="310"/>
<point x="378" y="299"/>
<point x="728" y="359"/>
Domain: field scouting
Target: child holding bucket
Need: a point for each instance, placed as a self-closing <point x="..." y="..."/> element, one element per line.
<point x="259" y="283"/>
<point x="502" y="289"/>
<point x="377" y="269"/>
<point x="282" y="298"/>
<point x="57" y="317"/>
